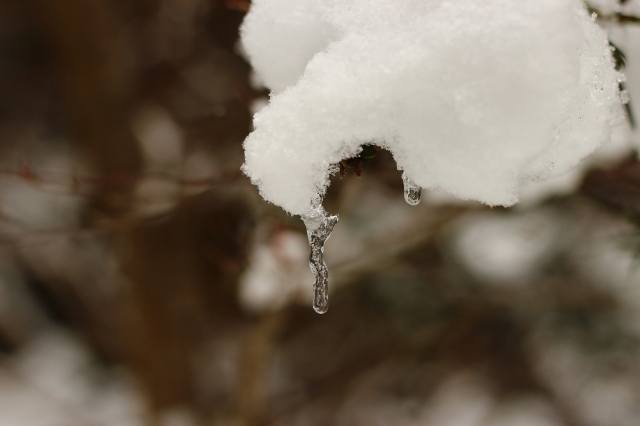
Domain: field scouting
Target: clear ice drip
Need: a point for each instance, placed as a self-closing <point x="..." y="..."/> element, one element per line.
<point x="319" y="228"/>
<point x="412" y="192"/>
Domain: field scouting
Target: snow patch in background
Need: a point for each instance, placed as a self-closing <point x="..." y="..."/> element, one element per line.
<point x="55" y="381"/>
<point x="506" y="249"/>
<point x="278" y="273"/>
<point x="472" y="98"/>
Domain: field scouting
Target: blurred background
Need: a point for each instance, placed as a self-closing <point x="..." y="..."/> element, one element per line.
<point x="143" y="281"/>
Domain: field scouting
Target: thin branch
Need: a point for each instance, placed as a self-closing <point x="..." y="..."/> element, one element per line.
<point x="387" y="247"/>
<point x="77" y="183"/>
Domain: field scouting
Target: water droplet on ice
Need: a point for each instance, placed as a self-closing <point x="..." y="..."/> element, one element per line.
<point x="319" y="227"/>
<point x="412" y="192"/>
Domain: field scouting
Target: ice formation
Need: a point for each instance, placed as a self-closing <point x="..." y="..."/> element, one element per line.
<point x="474" y="98"/>
<point x="412" y="192"/>
<point x="319" y="227"/>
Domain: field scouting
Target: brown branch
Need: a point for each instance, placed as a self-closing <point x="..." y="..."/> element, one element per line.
<point x="388" y="246"/>
<point x="255" y="357"/>
<point x="114" y="180"/>
<point x="617" y="17"/>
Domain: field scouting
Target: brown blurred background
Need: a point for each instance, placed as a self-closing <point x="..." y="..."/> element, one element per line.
<point x="143" y="281"/>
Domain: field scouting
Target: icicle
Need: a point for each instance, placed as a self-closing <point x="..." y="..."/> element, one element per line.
<point x="319" y="227"/>
<point x="412" y="192"/>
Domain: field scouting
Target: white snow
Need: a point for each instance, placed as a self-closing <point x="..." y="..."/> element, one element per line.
<point x="475" y="98"/>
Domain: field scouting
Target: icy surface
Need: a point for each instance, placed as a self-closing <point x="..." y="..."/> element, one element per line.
<point x="474" y="98"/>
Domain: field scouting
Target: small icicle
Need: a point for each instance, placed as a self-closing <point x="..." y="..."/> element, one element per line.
<point x="412" y="192"/>
<point x="319" y="227"/>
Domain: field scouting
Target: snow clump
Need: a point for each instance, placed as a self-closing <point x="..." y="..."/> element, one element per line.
<point x="475" y="98"/>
